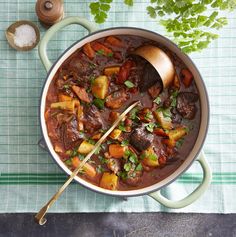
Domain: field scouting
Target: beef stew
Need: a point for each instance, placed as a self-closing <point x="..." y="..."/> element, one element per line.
<point x="89" y="91"/>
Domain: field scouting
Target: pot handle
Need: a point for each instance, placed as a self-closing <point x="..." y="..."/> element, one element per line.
<point x="192" y="197"/>
<point x="91" y="27"/>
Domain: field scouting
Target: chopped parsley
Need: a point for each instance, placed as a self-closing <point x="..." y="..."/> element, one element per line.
<point x="133" y="158"/>
<point x="91" y="141"/>
<point x="81" y="157"/>
<point x="102" y="159"/>
<point x="157" y="100"/>
<point x="66" y="86"/>
<point x="100" y="52"/>
<point x="133" y="114"/>
<point x="127" y="167"/>
<point x="150" y="126"/>
<point x="129" y="84"/>
<point x="100" y="169"/>
<point x="97" y="151"/>
<point x="180" y="142"/>
<point x="68" y="162"/>
<point x="173" y="98"/>
<point x="125" y="143"/>
<point x="99" y="103"/>
<point x="122" y="127"/>
<point x="148" y="115"/>
<point x="110" y="54"/>
<point x="139" y="167"/>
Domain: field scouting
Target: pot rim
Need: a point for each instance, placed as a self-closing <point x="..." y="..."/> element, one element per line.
<point x="120" y="193"/>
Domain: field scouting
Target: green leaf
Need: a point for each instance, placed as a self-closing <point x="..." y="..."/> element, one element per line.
<point x="133" y="158"/>
<point x="129" y="84"/>
<point x="139" y="167"/>
<point x="99" y="103"/>
<point x="151" y="12"/>
<point x="150" y="126"/>
<point x="127" y="167"/>
<point x="125" y="143"/>
<point x="100" y="169"/>
<point x="157" y="100"/>
<point x="129" y="2"/>
<point x="105" y="7"/>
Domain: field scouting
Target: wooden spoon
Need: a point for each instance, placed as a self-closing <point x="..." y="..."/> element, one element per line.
<point x="39" y="218"/>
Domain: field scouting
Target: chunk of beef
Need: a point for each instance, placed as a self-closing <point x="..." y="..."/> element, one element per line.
<point x="70" y="134"/>
<point x="117" y="99"/>
<point x="141" y="139"/>
<point x="186" y="104"/>
<point x="93" y="120"/>
<point x="80" y="65"/>
<point x="133" y="177"/>
<point x="155" y="90"/>
<point x="114" y="165"/>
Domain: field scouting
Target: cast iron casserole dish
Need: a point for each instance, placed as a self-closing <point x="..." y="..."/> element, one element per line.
<point x="195" y="154"/>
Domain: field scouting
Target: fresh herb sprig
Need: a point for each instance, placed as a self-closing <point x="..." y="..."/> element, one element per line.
<point x="192" y="24"/>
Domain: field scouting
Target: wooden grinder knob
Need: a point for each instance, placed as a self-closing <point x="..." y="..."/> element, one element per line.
<point x="49" y="12"/>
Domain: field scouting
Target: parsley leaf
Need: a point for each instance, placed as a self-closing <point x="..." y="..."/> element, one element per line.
<point x="129" y="84"/>
<point x="157" y="100"/>
<point x="139" y="167"/>
<point x="150" y="126"/>
<point x="99" y="103"/>
<point x="127" y="167"/>
<point x="125" y="143"/>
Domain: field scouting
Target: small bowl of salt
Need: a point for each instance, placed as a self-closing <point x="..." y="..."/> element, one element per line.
<point x="23" y="35"/>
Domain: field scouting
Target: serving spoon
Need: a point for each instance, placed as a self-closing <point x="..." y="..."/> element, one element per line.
<point x="40" y="217"/>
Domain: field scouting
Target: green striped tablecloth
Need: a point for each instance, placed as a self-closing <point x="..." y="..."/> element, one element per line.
<point x="28" y="175"/>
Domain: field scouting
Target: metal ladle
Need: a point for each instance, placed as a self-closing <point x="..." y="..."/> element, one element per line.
<point x="160" y="66"/>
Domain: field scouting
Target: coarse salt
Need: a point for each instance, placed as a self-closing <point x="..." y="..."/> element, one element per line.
<point x="24" y="36"/>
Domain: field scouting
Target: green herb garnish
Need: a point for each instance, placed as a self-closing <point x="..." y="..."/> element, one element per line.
<point x="133" y="158"/>
<point x="110" y="54"/>
<point x="157" y="100"/>
<point x="129" y="84"/>
<point x="125" y="143"/>
<point x="180" y="142"/>
<point x="99" y="103"/>
<point x="122" y="127"/>
<point x="139" y="167"/>
<point x="81" y="157"/>
<point x="148" y="115"/>
<point x="190" y="23"/>
<point x="91" y="141"/>
<point x="127" y="167"/>
<point x="100" y="169"/>
<point x="150" y="126"/>
<point x="100" y="52"/>
<point x="102" y="159"/>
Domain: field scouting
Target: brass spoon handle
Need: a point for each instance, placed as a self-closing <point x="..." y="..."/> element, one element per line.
<point x="39" y="218"/>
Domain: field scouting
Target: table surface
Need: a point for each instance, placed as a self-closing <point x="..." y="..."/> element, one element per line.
<point x="29" y="176"/>
<point x="120" y="225"/>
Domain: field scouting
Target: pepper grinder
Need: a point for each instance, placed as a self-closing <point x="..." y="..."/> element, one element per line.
<point x="49" y="12"/>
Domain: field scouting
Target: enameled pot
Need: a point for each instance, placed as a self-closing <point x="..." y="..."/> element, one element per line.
<point x="195" y="155"/>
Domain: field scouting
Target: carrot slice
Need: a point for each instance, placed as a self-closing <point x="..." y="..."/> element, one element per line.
<point x="87" y="49"/>
<point x="114" y="41"/>
<point x="88" y="169"/>
<point x="117" y="151"/>
<point x="101" y="48"/>
<point x="81" y="93"/>
<point x="187" y="77"/>
<point x="109" y="71"/>
<point x="124" y="71"/>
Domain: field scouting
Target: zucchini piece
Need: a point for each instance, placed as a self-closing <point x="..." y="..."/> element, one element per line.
<point x="64" y="105"/>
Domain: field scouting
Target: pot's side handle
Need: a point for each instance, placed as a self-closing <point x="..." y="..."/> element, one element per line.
<point x="91" y="27"/>
<point x="192" y="197"/>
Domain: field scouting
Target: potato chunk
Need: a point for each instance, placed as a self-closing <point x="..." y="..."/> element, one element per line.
<point x="150" y="158"/>
<point x="177" y="133"/>
<point x="109" y="181"/>
<point x="65" y="105"/>
<point x="100" y="87"/>
<point x="165" y="122"/>
<point x="85" y="147"/>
